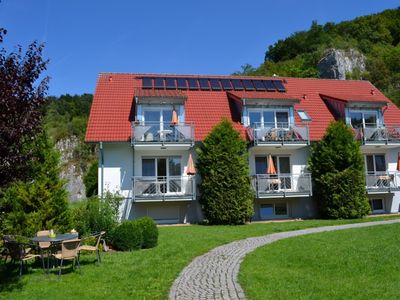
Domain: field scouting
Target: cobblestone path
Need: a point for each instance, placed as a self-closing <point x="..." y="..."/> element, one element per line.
<point x="214" y="274"/>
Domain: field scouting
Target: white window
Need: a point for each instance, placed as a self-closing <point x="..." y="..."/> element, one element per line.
<point x="166" y="172"/>
<point x="282" y="167"/>
<point x="273" y="210"/>
<point x="364" y="118"/>
<point x="377" y="205"/>
<point x="269" y="118"/>
<point x="375" y="164"/>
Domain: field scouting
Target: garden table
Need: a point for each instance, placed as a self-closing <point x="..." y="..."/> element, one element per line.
<point x="59" y="238"/>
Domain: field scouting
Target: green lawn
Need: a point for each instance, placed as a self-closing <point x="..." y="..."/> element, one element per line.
<point x="350" y="264"/>
<point x="145" y="274"/>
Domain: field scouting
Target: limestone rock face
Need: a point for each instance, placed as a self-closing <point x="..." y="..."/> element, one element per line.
<point x="335" y="63"/>
<point x="70" y="170"/>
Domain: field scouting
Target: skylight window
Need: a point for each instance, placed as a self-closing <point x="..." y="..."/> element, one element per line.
<point x="304" y="116"/>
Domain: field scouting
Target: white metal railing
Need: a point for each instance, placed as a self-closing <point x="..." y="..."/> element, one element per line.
<point x="265" y="184"/>
<point x="162" y="132"/>
<point x="383" y="181"/>
<point x="161" y="188"/>
<point x="281" y="132"/>
<point x="371" y="133"/>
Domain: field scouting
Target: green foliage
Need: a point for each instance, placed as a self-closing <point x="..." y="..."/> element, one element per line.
<point x="41" y="203"/>
<point x="91" y="179"/>
<point x="149" y="232"/>
<point x="128" y="236"/>
<point x="376" y="36"/>
<point x="337" y="170"/>
<point x="94" y="215"/>
<point x="226" y="192"/>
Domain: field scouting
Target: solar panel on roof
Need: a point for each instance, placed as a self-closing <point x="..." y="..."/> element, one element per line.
<point x="158" y="83"/>
<point x="279" y="85"/>
<point x="248" y="85"/>
<point x="259" y="85"/>
<point x="215" y="85"/>
<point x="226" y="84"/>
<point x="204" y="84"/>
<point x="269" y="85"/>
<point x="181" y="83"/>
<point x="237" y="84"/>
<point x="193" y="84"/>
<point x="147" y="82"/>
<point x="170" y="83"/>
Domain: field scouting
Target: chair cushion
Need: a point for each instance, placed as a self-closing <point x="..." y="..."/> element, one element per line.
<point x="87" y="248"/>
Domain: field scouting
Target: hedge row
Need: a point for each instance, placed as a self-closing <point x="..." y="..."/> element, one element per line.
<point x="137" y="234"/>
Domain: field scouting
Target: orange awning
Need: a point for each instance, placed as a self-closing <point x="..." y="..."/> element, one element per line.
<point x="190" y="170"/>
<point x="271" y="167"/>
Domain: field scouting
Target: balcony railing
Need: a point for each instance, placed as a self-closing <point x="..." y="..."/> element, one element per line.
<point x="383" y="182"/>
<point x="282" y="185"/>
<point x="162" y="132"/>
<point x="381" y="134"/>
<point x="172" y="188"/>
<point x="263" y="133"/>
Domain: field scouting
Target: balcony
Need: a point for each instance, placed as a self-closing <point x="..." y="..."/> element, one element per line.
<point x="385" y="182"/>
<point x="283" y="185"/>
<point x="160" y="189"/>
<point x="156" y="134"/>
<point x="375" y="136"/>
<point x="267" y="134"/>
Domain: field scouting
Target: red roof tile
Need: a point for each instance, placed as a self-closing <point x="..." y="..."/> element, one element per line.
<point x="113" y="104"/>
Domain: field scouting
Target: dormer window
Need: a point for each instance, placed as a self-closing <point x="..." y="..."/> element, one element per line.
<point x="275" y="118"/>
<point x="363" y="118"/>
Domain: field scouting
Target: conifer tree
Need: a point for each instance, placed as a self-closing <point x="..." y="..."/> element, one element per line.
<point x="226" y="193"/>
<point x="337" y="168"/>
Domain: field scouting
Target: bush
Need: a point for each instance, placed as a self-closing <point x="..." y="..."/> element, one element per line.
<point x="337" y="168"/>
<point x="94" y="215"/>
<point x="226" y="193"/>
<point x="149" y="232"/>
<point x="91" y="180"/>
<point x="128" y="236"/>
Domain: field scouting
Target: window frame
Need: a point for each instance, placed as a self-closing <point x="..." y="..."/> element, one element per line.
<point x="374" y="172"/>
<point x="274" y="110"/>
<point x="274" y="215"/>
<point x="377" y="211"/>
<point x="363" y="112"/>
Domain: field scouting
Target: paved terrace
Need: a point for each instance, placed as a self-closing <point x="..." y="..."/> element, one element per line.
<point x="214" y="274"/>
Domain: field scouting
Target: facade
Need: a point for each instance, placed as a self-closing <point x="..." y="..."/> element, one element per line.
<point x="148" y="126"/>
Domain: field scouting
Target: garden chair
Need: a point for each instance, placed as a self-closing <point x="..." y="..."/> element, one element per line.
<point x="69" y="251"/>
<point x="18" y="252"/>
<point x="44" y="246"/>
<point x="94" y="248"/>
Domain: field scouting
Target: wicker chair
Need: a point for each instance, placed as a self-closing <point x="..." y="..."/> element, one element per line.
<point x="95" y="248"/>
<point x="69" y="251"/>
<point x="18" y="252"/>
<point x="44" y="246"/>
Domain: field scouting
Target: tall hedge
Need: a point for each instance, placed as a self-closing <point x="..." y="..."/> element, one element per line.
<point x="337" y="167"/>
<point x="226" y="193"/>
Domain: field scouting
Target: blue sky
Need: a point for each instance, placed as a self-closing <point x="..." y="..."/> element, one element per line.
<point x="84" y="38"/>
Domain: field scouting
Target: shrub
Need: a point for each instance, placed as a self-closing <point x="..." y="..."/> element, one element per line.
<point x="337" y="168"/>
<point x="90" y="180"/>
<point x="128" y="236"/>
<point x="226" y="193"/>
<point x="94" y="215"/>
<point x="149" y="232"/>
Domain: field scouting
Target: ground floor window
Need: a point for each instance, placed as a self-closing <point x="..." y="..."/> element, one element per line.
<point x="273" y="210"/>
<point x="377" y="205"/>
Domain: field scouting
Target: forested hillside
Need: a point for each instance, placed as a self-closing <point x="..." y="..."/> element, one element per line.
<point x="65" y="121"/>
<point x="376" y="36"/>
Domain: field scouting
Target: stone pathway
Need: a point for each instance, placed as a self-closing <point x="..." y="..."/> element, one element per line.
<point x="214" y="274"/>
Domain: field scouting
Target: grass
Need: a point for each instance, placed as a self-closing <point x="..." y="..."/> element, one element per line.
<point x="144" y="274"/>
<point x="350" y="264"/>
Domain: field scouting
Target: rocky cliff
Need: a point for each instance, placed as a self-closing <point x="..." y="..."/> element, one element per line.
<point x="336" y="63"/>
<point x="71" y="170"/>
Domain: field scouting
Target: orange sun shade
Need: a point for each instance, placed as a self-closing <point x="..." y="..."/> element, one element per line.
<point x="174" y="120"/>
<point x="190" y="166"/>
<point x="271" y="167"/>
<point x="398" y="161"/>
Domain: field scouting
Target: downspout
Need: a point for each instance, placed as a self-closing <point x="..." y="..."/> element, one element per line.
<point x="101" y="170"/>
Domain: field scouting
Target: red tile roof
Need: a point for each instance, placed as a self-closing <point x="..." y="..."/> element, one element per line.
<point x="113" y="104"/>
